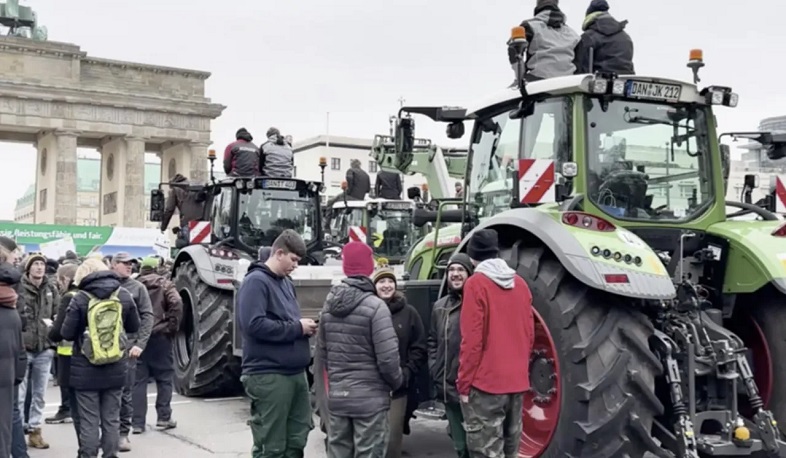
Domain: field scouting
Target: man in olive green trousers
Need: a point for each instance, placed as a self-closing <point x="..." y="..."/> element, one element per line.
<point x="276" y="352"/>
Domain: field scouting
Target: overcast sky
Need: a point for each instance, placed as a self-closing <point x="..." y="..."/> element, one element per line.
<point x="288" y="65"/>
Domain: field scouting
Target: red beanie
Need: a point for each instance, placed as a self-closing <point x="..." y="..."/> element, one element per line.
<point x="357" y="259"/>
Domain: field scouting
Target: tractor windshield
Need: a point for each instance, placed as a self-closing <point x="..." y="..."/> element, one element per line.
<point x="648" y="161"/>
<point x="392" y="232"/>
<point x="264" y="214"/>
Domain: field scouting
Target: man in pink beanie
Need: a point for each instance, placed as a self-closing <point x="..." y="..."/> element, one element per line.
<point x="363" y="367"/>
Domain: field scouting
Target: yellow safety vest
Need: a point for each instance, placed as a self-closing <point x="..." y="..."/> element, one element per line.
<point x="65" y="347"/>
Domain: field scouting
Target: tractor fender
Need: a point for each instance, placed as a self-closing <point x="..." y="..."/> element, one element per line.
<point x="755" y="257"/>
<point x="649" y="281"/>
<point x="206" y="268"/>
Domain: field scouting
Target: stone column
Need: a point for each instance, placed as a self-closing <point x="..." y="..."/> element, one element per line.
<point x="199" y="162"/>
<point x="187" y="159"/>
<point x="56" y="181"/>
<point x="123" y="182"/>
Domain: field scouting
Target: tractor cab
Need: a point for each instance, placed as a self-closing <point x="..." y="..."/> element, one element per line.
<point x="243" y="214"/>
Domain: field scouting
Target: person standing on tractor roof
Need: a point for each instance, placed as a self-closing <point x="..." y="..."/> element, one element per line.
<point x="605" y="46"/>
<point x="121" y="265"/>
<point x="551" y="44"/>
<point x="358" y="181"/>
<point x="189" y="204"/>
<point x="359" y="349"/>
<point x="388" y="185"/>
<point x="497" y="335"/>
<point x="276" y="352"/>
<point x="444" y="340"/>
<point x="277" y="159"/>
<point x="99" y="372"/>
<point x="241" y="157"/>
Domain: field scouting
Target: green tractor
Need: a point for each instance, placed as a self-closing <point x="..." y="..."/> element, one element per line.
<point x="659" y="321"/>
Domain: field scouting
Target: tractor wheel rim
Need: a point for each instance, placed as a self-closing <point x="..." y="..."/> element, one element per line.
<point x="542" y="402"/>
<point x="756" y="342"/>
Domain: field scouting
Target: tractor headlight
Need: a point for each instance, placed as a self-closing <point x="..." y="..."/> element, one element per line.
<point x="600" y="86"/>
<point x="618" y="87"/>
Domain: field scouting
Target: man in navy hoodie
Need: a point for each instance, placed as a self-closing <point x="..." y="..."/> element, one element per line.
<point x="276" y="352"/>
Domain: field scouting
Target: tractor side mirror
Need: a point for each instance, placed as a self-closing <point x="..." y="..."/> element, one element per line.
<point x="455" y="130"/>
<point x="405" y="136"/>
<point x="413" y="193"/>
<point x="776" y="150"/>
<point x="751" y="181"/>
<point x="157" y="201"/>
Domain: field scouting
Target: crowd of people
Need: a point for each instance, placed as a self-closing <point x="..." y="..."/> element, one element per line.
<point x="555" y="49"/>
<point x="104" y="326"/>
<point x="370" y="343"/>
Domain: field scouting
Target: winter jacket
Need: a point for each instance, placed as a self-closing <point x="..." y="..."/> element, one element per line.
<point x="40" y="304"/>
<point x="241" y="159"/>
<point x="85" y="376"/>
<point x="165" y="300"/>
<point x="145" y="310"/>
<point x="497" y="331"/>
<point x="190" y="204"/>
<point x="269" y="318"/>
<point x="12" y="364"/>
<point x="411" y="340"/>
<point x="444" y="340"/>
<point x="551" y="45"/>
<point x="613" y="47"/>
<point x="388" y="185"/>
<point x="358" y="347"/>
<point x="63" y="376"/>
<point x="277" y="159"/>
<point x="358" y="183"/>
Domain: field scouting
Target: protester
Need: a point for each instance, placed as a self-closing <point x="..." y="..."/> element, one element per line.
<point x="358" y="181"/>
<point x="99" y="374"/>
<point x="241" y="157"/>
<point x="122" y="263"/>
<point x="65" y="349"/>
<point x="10" y="346"/>
<point x="189" y="204"/>
<point x="157" y="361"/>
<point x="605" y="46"/>
<point x="65" y="282"/>
<point x="411" y="347"/>
<point x="276" y="352"/>
<point x="444" y="341"/>
<point x="388" y="185"/>
<point x="552" y="43"/>
<point x="277" y="159"/>
<point x="358" y="347"/>
<point x="497" y="334"/>
<point x="41" y="298"/>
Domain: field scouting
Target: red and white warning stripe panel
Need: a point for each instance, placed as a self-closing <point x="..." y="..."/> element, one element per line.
<point x="537" y="181"/>
<point x="357" y="234"/>
<point x="199" y="232"/>
<point x="780" y="194"/>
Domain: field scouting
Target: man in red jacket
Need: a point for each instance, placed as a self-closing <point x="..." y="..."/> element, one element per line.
<point x="497" y="330"/>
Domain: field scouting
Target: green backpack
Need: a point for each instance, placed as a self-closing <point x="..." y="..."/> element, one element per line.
<point x="104" y="341"/>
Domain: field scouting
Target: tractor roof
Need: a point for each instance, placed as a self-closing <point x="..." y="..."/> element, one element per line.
<point x="573" y="84"/>
<point x="363" y="203"/>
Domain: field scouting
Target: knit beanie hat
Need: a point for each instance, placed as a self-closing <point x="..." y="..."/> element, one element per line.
<point x="546" y="4"/>
<point x="463" y="260"/>
<point x="243" y="134"/>
<point x="597" y="6"/>
<point x="357" y="260"/>
<point x="383" y="272"/>
<point x="484" y="244"/>
<point x="33" y="258"/>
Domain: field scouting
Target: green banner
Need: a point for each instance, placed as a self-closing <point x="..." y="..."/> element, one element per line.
<point x="32" y="235"/>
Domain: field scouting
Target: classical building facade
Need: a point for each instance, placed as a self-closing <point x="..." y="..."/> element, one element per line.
<point x="56" y="97"/>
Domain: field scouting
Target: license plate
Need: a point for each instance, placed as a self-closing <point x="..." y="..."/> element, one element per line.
<point x="653" y="91"/>
<point x="280" y="184"/>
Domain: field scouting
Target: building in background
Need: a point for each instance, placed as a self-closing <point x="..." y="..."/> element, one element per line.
<point x="339" y="151"/>
<point x="88" y="180"/>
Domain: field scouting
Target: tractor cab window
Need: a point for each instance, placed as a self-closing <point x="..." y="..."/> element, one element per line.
<point x="648" y="161"/>
<point x="391" y="232"/>
<point x="222" y="213"/>
<point x="542" y="136"/>
<point x="264" y="214"/>
<point x="342" y="220"/>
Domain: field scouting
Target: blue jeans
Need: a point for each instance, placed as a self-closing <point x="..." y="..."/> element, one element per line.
<point x="38" y="370"/>
<point x="18" y="444"/>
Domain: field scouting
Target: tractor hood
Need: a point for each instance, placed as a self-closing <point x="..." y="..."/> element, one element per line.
<point x="755" y="256"/>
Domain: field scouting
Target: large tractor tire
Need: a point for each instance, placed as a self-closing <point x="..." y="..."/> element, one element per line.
<point x="204" y="363"/>
<point x="761" y="324"/>
<point x="592" y="372"/>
